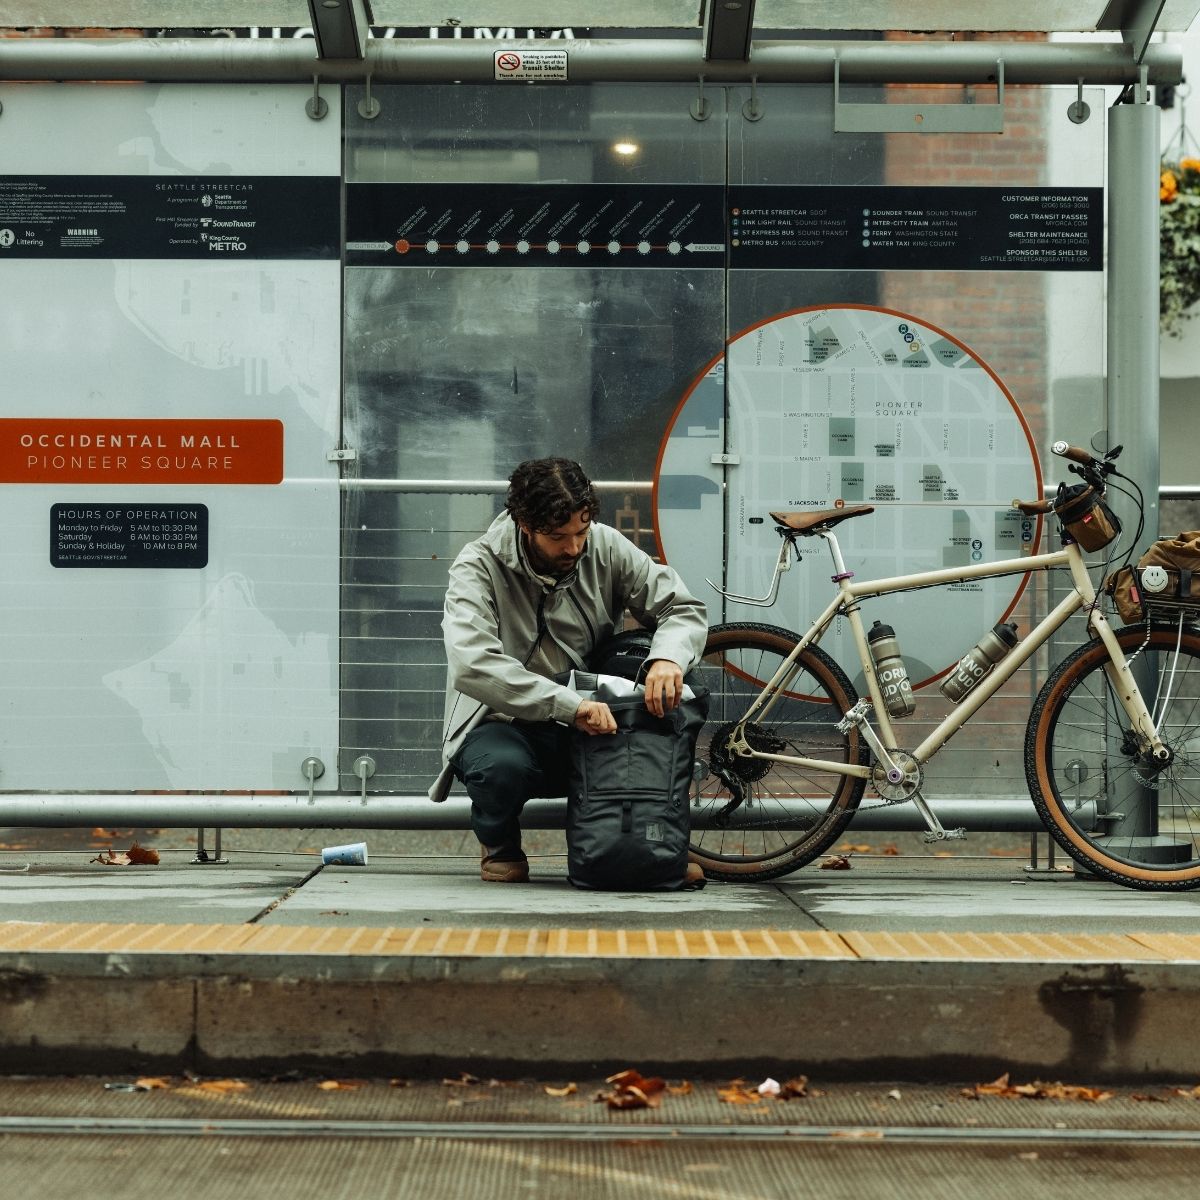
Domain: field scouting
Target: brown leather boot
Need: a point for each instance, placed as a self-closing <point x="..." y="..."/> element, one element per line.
<point x="502" y="865"/>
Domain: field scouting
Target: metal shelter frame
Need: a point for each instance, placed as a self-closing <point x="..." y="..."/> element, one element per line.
<point x="725" y="52"/>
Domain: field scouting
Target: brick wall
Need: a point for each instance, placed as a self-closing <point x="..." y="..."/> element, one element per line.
<point x="1000" y="315"/>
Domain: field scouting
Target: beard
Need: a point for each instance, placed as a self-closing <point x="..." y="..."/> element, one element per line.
<point x="558" y="566"/>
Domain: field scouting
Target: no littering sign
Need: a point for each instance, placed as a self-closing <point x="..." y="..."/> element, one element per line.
<point x="531" y="64"/>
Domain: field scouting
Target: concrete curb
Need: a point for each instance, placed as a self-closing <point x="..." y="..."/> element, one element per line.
<point x="518" y="1014"/>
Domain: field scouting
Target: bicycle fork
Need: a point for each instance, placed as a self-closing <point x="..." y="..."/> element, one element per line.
<point x="1119" y="670"/>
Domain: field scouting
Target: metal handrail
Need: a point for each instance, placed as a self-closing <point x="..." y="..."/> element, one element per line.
<point x="474" y="487"/>
<point x="470" y="487"/>
<point x="347" y="810"/>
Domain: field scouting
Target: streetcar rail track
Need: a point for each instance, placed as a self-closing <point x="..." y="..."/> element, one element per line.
<point x="556" y="1131"/>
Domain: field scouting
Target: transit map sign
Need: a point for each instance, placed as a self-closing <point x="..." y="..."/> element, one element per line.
<point x="852" y="405"/>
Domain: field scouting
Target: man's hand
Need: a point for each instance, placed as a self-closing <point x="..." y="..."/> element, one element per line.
<point x="594" y="716"/>
<point x="664" y="686"/>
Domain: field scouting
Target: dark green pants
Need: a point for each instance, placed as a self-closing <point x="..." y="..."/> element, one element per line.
<point x="502" y="764"/>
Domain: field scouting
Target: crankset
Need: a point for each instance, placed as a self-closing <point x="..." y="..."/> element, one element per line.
<point x="895" y="790"/>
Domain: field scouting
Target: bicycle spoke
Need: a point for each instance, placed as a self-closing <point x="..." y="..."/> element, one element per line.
<point x="1109" y="803"/>
<point x="788" y="813"/>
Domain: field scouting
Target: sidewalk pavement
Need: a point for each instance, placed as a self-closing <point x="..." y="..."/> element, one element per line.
<point x="907" y="966"/>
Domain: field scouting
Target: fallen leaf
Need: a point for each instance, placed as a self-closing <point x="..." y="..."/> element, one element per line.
<point x="137" y="855"/>
<point x="890" y="850"/>
<point x="400" y="1083"/>
<point x="835" y="862"/>
<point x="1028" y="1156"/>
<point x="682" y="1088"/>
<point x="796" y="1089"/>
<point x="109" y="859"/>
<point x="340" y="1085"/>
<point x="1148" y="1099"/>
<point x="738" y="1092"/>
<point x="631" y="1090"/>
<point x="465" y="1079"/>
<point x="569" y="1090"/>
<point x="1193" y="1093"/>
<point x="855" y="847"/>
<point x="223" y="1085"/>
<point x="150" y="1083"/>
<point x="857" y="1133"/>
<point x="1036" y="1091"/>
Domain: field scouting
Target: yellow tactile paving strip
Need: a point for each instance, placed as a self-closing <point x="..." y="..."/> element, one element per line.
<point x="1010" y="947"/>
<point x="89" y="938"/>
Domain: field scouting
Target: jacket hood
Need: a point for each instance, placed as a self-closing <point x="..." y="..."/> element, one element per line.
<point x="501" y="539"/>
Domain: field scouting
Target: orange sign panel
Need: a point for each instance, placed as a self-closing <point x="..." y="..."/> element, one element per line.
<point x="129" y="450"/>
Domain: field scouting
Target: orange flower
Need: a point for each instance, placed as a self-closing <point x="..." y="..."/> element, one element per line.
<point x="1189" y="164"/>
<point x="1168" y="187"/>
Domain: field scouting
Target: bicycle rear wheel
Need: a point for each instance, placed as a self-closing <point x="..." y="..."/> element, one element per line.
<point x="755" y="819"/>
<point x="1124" y="818"/>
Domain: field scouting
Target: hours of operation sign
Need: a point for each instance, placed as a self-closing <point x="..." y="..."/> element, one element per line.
<point x="159" y="536"/>
<point x="831" y="407"/>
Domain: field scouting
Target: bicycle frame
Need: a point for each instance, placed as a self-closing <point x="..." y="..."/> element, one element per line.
<point x="845" y="603"/>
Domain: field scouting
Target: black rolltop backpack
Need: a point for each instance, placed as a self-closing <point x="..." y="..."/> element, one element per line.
<point x="628" y="802"/>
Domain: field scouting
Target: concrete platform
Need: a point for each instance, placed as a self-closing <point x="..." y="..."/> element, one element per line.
<point x="917" y="968"/>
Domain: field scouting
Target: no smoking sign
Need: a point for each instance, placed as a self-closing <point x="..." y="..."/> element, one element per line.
<point x="531" y="64"/>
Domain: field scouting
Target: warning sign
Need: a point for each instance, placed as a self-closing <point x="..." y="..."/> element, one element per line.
<point x="531" y="64"/>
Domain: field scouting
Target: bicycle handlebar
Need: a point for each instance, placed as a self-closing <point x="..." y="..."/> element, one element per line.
<point x="1031" y="508"/>
<point x="1093" y="470"/>
<point x="1074" y="453"/>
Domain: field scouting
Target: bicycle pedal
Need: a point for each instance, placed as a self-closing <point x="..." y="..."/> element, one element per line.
<point x="854" y="717"/>
<point x="946" y="835"/>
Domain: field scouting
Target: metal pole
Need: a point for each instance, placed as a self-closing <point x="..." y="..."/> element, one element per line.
<point x="1133" y="381"/>
<point x="414" y="60"/>
<point x="1132" y="319"/>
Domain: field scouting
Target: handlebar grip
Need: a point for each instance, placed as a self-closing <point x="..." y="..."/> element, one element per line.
<point x="1031" y="508"/>
<point x="1074" y="453"/>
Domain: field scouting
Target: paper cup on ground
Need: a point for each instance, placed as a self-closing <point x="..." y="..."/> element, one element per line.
<point x="352" y="855"/>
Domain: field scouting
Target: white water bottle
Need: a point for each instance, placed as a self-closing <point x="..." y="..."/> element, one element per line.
<point x="889" y="667"/>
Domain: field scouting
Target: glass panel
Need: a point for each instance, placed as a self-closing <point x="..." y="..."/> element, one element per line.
<point x="457" y="373"/>
<point x="161" y="406"/>
<point x="529" y="134"/>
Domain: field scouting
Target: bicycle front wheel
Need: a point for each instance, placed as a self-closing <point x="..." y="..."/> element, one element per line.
<point x="754" y="818"/>
<point x="1122" y="816"/>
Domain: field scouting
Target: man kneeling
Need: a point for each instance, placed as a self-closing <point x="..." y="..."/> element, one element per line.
<point x="530" y="600"/>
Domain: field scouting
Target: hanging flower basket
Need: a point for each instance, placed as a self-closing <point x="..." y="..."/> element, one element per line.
<point x="1179" y="241"/>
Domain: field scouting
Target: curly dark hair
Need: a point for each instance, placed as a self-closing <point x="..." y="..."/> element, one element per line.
<point x="544" y="493"/>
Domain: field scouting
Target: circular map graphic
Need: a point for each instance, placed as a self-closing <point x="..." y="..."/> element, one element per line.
<point x="824" y="407"/>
